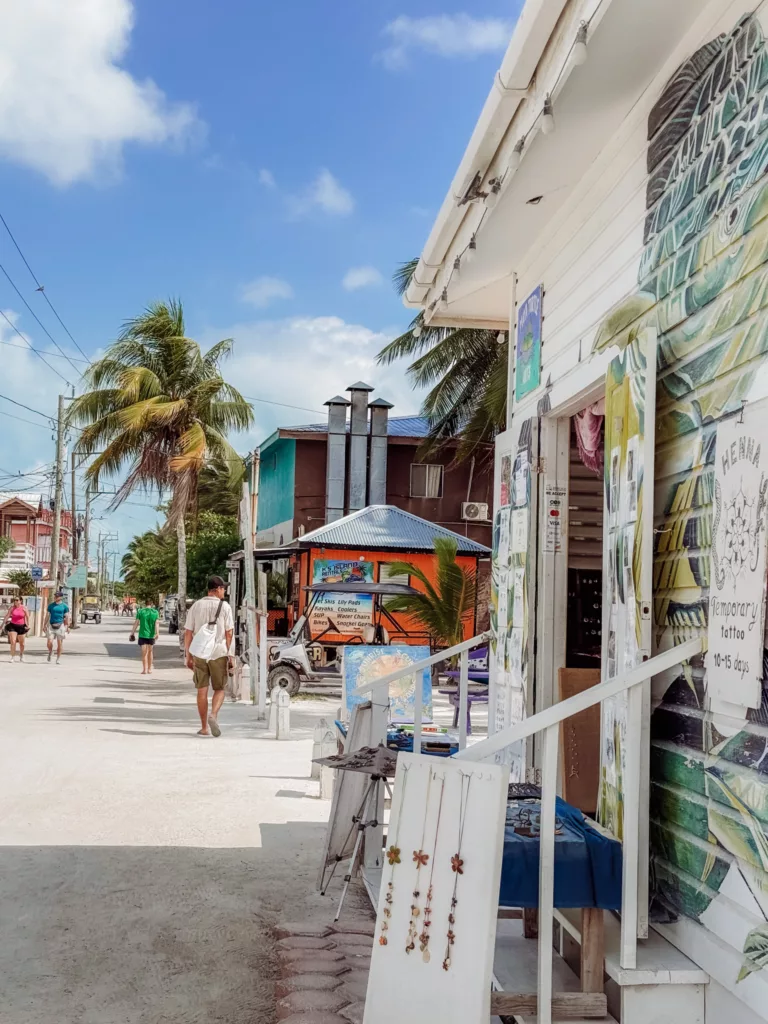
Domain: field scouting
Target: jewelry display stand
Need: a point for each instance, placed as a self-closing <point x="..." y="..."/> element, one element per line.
<point x="436" y="923"/>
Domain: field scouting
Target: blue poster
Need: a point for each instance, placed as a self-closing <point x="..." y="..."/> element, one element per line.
<point x="362" y="663"/>
<point x="528" y="350"/>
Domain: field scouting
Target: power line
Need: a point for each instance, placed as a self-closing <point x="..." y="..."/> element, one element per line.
<point x="39" y="321"/>
<point x="32" y="349"/>
<point x="41" y="288"/>
<point x="42" y="351"/>
<point x="28" y="408"/>
<point x="21" y="419"/>
<point x="268" y="401"/>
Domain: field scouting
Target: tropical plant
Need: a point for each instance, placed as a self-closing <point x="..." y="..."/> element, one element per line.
<point x="158" y="407"/>
<point x="466" y="371"/>
<point x="441" y="609"/>
<point x="149" y="566"/>
<point x="7" y="544"/>
<point x="220" y="486"/>
<point x="22" y="578"/>
<point x="210" y="546"/>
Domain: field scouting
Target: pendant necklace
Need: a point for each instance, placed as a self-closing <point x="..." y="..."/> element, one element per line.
<point x="427" y="923"/>
<point x="393" y="856"/>
<point x="457" y="866"/>
<point x="420" y="859"/>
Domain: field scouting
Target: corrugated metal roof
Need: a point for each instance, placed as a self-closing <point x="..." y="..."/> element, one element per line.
<point x="384" y="527"/>
<point x="397" y="426"/>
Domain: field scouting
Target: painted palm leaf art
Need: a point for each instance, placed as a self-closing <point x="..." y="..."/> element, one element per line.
<point x="703" y="291"/>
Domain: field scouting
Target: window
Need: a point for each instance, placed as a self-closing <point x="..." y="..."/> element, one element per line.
<point x="384" y="576"/>
<point x="426" y="481"/>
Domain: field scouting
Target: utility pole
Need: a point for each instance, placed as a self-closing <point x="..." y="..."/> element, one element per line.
<point x="86" y="533"/>
<point x="58" y="494"/>
<point x="75" y="617"/>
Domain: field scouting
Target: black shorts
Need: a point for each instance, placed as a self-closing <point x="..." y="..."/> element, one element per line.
<point x="13" y="628"/>
<point x="144" y="641"/>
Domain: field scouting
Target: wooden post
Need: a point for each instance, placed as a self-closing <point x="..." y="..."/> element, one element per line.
<point x="327" y="775"/>
<point x="592" y="950"/>
<point x="250" y="593"/>
<point x="283" y="714"/>
<point x="547" y="872"/>
<point x="463" y="697"/>
<point x="273" y="710"/>
<point x="318" y="736"/>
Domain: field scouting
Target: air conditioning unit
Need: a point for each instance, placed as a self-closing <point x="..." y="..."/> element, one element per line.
<point x="474" y="511"/>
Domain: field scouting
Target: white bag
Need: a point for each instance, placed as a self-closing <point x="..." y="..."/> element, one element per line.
<point x="204" y="640"/>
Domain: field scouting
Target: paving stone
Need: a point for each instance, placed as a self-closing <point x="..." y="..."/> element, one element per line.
<point x="331" y="968"/>
<point x="302" y="1002"/>
<point x="355" y="926"/>
<point x="358" y="975"/>
<point x="354" y="1013"/>
<point x="304" y="942"/>
<point x="315" y="1017"/>
<point x="304" y="928"/>
<point x="363" y="952"/>
<point x="355" y="990"/>
<point x="351" y="939"/>
<point x="307" y="982"/>
<point x="316" y="954"/>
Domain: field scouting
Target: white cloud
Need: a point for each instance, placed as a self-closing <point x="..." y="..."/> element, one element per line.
<point x="321" y="356"/>
<point x="361" y="277"/>
<point x="266" y="178"/>
<point x="265" y="290"/>
<point x="67" y="108"/>
<point x="447" y="35"/>
<point x="325" y="193"/>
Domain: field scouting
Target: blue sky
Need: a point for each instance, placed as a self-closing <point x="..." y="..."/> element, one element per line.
<point x="268" y="164"/>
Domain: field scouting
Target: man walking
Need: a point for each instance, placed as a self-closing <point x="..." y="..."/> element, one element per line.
<point x="210" y="617"/>
<point x="147" y="623"/>
<point x="56" y="624"/>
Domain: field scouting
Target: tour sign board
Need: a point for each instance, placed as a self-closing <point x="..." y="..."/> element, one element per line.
<point x="36" y="572"/>
<point x="738" y="570"/>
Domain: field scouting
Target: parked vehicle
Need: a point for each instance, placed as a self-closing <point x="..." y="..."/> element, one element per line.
<point x="90" y="610"/>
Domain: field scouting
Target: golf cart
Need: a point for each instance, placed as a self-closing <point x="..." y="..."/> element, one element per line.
<point x="91" y="610"/>
<point x="300" y="657"/>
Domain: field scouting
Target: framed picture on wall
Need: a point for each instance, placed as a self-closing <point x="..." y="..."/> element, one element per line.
<point x="528" y="345"/>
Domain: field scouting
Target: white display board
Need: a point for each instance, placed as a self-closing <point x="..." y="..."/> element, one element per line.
<point x="737" y="578"/>
<point x="446" y="814"/>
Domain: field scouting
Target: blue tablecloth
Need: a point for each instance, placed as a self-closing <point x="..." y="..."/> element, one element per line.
<point x="587" y="864"/>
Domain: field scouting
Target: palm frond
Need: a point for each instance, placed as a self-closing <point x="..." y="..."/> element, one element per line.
<point x="403" y="274"/>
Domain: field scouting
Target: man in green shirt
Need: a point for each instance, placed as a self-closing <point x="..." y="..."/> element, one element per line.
<point x="147" y="624"/>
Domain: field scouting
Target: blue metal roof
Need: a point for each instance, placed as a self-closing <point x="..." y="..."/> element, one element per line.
<point x="397" y="426"/>
<point x="384" y="527"/>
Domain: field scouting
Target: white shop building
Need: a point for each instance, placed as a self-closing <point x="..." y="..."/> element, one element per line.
<point x="611" y="214"/>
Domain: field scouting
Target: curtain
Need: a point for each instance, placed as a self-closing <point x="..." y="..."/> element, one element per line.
<point x="434" y="481"/>
<point x="589" y="436"/>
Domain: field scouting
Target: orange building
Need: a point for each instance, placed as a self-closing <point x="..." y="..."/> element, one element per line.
<point x="359" y="548"/>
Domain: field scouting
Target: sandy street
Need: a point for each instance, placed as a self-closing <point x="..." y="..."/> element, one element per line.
<point x="142" y="865"/>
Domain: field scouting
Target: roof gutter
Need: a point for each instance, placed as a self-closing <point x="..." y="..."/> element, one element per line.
<point x="510" y="87"/>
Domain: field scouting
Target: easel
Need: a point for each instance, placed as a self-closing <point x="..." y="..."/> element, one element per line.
<point x="361" y="822"/>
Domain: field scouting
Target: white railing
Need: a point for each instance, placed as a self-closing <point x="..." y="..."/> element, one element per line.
<point x="21" y="556"/>
<point x="548" y="722"/>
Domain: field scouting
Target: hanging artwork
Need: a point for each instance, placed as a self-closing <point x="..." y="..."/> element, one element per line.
<point x="737" y="588"/>
<point x="438" y="918"/>
<point x="363" y="663"/>
<point x="528" y="348"/>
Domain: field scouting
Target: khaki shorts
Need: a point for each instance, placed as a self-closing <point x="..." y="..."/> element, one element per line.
<point x="210" y="673"/>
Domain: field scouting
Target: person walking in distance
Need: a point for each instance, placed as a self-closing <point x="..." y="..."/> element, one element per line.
<point x="17" y="623"/>
<point x="208" y="635"/>
<point x="56" y="624"/>
<point x="147" y="623"/>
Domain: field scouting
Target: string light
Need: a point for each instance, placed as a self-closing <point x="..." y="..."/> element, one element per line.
<point x="471" y="252"/>
<point x="493" y="193"/>
<point x="444" y="298"/>
<point x="457" y="266"/>
<point x="501" y="338"/>
<point x="548" y="119"/>
<point x="517" y="154"/>
<point x="580" y="46"/>
<point x="417" y="331"/>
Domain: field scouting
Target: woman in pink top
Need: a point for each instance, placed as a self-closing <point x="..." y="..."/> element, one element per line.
<point x="16" y="622"/>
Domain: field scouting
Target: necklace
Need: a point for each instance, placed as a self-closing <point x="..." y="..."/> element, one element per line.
<point x="393" y="856"/>
<point x="457" y="866"/>
<point x="427" y="924"/>
<point x="420" y="859"/>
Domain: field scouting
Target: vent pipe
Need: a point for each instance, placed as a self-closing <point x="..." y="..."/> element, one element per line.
<point x="377" y="487"/>
<point x="337" y="458"/>
<point x="358" y="445"/>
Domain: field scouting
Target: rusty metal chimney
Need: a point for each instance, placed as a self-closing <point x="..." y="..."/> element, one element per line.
<point x="358" y="445"/>
<point x="337" y="458"/>
<point x="377" y="486"/>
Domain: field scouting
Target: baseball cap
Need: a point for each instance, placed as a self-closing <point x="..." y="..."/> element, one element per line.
<point x="214" y="582"/>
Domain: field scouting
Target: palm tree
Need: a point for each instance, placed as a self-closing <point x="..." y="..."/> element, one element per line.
<point x="159" y="407"/>
<point x="441" y="609"/>
<point x="220" y="487"/>
<point x="466" y="370"/>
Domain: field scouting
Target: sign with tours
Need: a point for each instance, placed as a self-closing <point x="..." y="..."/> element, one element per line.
<point x="346" y="614"/>
<point x="738" y="570"/>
